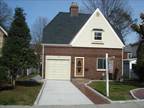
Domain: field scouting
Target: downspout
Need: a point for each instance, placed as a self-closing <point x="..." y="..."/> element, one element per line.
<point x="42" y="61"/>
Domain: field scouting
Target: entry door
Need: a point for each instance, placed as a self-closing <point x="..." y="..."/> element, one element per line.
<point x="79" y="66"/>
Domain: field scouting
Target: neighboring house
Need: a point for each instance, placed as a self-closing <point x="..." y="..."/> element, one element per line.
<point x="75" y="44"/>
<point x="129" y="60"/>
<point x="3" y="35"/>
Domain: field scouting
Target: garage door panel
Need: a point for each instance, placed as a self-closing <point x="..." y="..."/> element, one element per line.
<point x="58" y="67"/>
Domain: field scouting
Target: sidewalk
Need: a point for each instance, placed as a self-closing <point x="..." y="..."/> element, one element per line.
<point x="115" y="105"/>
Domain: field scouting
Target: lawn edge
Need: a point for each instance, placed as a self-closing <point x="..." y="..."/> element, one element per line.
<point x="95" y="91"/>
<point x="111" y="101"/>
<point x="40" y="93"/>
<point x="131" y="92"/>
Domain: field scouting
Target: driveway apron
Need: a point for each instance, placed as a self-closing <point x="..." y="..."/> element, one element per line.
<point x="57" y="92"/>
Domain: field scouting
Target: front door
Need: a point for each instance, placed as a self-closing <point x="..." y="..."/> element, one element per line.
<point x="79" y="66"/>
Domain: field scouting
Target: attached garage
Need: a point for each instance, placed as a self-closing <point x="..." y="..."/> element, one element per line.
<point x="58" y="67"/>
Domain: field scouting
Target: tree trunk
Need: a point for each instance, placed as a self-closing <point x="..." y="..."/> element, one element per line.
<point x="13" y="82"/>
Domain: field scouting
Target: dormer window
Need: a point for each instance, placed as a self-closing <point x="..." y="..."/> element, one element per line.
<point x="97" y="35"/>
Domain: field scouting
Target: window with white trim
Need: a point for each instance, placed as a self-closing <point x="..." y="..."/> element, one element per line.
<point x="129" y="55"/>
<point x="97" y="35"/>
<point x="101" y="63"/>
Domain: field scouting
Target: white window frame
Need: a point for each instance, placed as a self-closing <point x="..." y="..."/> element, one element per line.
<point x="75" y="75"/>
<point x="96" y="40"/>
<point x="96" y="32"/>
<point x="129" y="55"/>
<point x="97" y="64"/>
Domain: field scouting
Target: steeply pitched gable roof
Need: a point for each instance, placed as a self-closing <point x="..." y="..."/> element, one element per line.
<point x="63" y="28"/>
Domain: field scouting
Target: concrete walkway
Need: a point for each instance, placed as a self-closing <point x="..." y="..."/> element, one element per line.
<point x="62" y="93"/>
<point x="115" y="105"/>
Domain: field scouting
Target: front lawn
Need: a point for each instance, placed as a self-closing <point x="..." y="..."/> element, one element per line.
<point x="118" y="90"/>
<point x="23" y="94"/>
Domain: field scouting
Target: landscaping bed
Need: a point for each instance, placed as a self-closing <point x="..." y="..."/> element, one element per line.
<point x="118" y="90"/>
<point x="25" y="93"/>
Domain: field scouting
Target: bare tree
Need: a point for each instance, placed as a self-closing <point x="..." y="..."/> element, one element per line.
<point x="117" y="13"/>
<point x="5" y="14"/>
<point x="37" y="28"/>
<point x="37" y="32"/>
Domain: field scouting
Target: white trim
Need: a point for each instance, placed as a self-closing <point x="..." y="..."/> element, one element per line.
<point x="40" y="93"/>
<point x="4" y="31"/>
<point x="67" y="45"/>
<point x="76" y="65"/>
<point x="101" y="70"/>
<point x="81" y="30"/>
<point x="130" y="59"/>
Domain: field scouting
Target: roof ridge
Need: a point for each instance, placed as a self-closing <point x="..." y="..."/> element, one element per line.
<point x="79" y="13"/>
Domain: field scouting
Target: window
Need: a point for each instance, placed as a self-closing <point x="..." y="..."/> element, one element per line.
<point x="101" y="64"/>
<point x="97" y="36"/>
<point x="129" y="55"/>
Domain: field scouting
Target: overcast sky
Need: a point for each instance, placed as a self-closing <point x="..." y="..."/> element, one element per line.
<point x="49" y="8"/>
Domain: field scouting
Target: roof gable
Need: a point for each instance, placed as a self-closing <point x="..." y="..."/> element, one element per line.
<point x="97" y="21"/>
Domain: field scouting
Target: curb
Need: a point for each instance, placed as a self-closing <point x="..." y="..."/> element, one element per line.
<point x="40" y="93"/>
<point x="132" y="93"/>
<point x="96" y="92"/>
<point x="111" y="101"/>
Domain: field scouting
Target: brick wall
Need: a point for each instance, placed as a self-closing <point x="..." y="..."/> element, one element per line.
<point x="90" y="54"/>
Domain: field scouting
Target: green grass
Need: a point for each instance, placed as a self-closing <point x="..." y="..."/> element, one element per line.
<point x="118" y="90"/>
<point x="21" y="95"/>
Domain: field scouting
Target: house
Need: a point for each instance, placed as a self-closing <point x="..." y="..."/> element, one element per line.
<point x="129" y="61"/>
<point x="74" y="46"/>
<point x="3" y="35"/>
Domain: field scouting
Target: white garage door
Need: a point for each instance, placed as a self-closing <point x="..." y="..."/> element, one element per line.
<point x="58" y="67"/>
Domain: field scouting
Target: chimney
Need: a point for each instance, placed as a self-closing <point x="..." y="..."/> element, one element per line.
<point x="74" y="9"/>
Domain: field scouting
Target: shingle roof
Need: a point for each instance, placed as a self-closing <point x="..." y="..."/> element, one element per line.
<point x="63" y="28"/>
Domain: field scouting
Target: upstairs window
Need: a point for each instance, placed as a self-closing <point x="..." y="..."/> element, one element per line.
<point x="97" y="35"/>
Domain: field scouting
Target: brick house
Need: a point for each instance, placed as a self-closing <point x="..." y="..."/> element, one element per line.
<point x="74" y="46"/>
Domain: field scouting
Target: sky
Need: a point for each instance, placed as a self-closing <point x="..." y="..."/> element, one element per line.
<point x="50" y="8"/>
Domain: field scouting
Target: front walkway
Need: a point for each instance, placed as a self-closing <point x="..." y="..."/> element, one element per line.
<point x="95" y="98"/>
<point x="62" y="93"/>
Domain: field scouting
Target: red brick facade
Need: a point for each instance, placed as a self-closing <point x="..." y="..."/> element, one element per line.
<point x="90" y="55"/>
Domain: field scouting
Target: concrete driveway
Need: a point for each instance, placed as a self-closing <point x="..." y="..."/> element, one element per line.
<point x="62" y="93"/>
